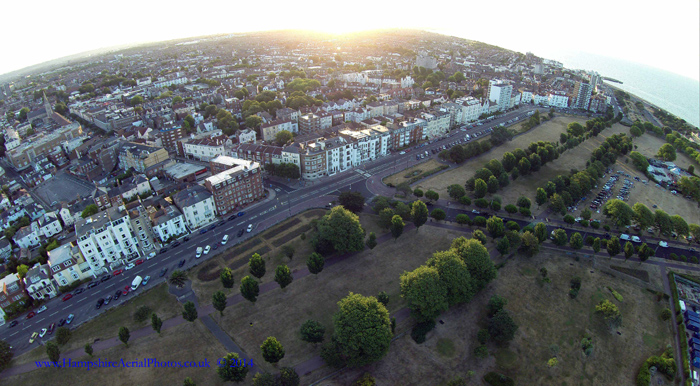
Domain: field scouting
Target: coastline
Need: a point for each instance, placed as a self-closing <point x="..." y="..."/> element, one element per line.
<point x="646" y="102"/>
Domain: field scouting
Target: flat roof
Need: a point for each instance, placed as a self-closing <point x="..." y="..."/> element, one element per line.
<point x="184" y="169"/>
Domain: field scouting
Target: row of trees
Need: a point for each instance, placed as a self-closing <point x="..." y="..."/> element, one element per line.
<point x="622" y="215"/>
<point x="285" y="170"/>
<point x="562" y="191"/>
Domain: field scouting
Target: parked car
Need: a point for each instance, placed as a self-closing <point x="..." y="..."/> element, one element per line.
<point x="126" y="290"/>
<point x="61" y="322"/>
<point x="138" y="262"/>
<point x="198" y="252"/>
<point x="250" y="228"/>
<point x="105" y="278"/>
<point x="117" y="272"/>
<point x="181" y="263"/>
<point x="117" y="294"/>
<point x="66" y="297"/>
<point x="13" y="323"/>
<point x="131" y="265"/>
<point x="224" y="240"/>
<point x="145" y="280"/>
<point x="70" y="318"/>
<point x="99" y="304"/>
<point x="636" y="239"/>
<point x="163" y="250"/>
<point x="42" y="333"/>
<point x="186" y="239"/>
<point x="41" y="309"/>
<point x="203" y="231"/>
<point x="176" y="244"/>
<point x="151" y="255"/>
<point x="663" y="244"/>
<point x="51" y="328"/>
<point x="93" y="284"/>
<point x="212" y="227"/>
<point x="162" y="272"/>
<point x="78" y="291"/>
<point x="207" y="249"/>
<point x="33" y="337"/>
<point x="240" y="232"/>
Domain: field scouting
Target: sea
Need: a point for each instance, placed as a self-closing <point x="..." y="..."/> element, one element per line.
<point x="674" y="93"/>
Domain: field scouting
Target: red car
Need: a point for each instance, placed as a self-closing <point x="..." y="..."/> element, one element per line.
<point x="68" y="296"/>
<point x="126" y="290"/>
<point x="138" y="262"/>
<point x="117" y="272"/>
<point x="31" y="315"/>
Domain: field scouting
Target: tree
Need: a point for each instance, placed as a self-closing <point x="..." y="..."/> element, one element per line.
<point x="596" y="245"/>
<point x="362" y="330"/>
<point x="352" y="201"/>
<point x="663" y="222"/>
<point x="503" y="246"/>
<point x="560" y="237"/>
<point x="645" y="252"/>
<point x="315" y="263"/>
<point x="619" y="212"/>
<point x="502" y="327"/>
<point x="219" y="302"/>
<point x="288" y="377"/>
<point x="385" y="216"/>
<point x="272" y="350"/>
<point x="88" y="349"/>
<point x="419" y="213"/>
<point x="462" y="219"/>
<point x="438" y="214"/>
<point x="495" y="226"/>
<point x="156" y="323"/>
<point x="576" y="241"/>
<point x="283" y="276"/>
<point x="52" y="351"/>
<point x="256" y="266"/>
<point x="613" y="246"/>
<point x="524" y="166"/>
<point x="5" y="354"/>
<point x="431" y="195"/>
<point x="495" y="304"/>
<point x="524" y="202"/>
<point x="227" y="277"/>
<point x="457" y="154"/>
<point x="135" y="101"/>
<point x="250" y="289"/>
<point x="62" y="335"/>
<point x="642" y="215"/>
<point x="667" y="152"/>
<point x="679" y="225"/>
<point x="557" y="204"/>
<point x="230" y="369"/>
<point x="454" y="275"/>
<point x="124" y="335"/>
<point x="508" y="161"/>
<point x="492" y="185"/>
<point x="397" y="226"/>
<point x="403" y="211"/>
<point x="456" y="191"/>
<point x="480" y="188"/>
<point x="341" y="228"/>
<point x="89" y="211"/>
<point x="425" y="292"/>
<point x="22" y="271"/>
<point x="477" y="259"/>
<point x="372" y="240"/>
<point x="540" y="232"/>
<point x="610" y="313"/>
<point x="288" y="251"/>
<point x="383" y="298"/>
<point x="312" y="331"/>
<point x="629" y="250"/>
<point x="666" y="314"/>
<point x="541" y="197"/>
<point x="253" y="122"/>
<point x="529" y="244"/>
<point x="418" y="193"/>
<point x="177" y="278"/>
<point x="189" y="312"/>
<point x="283" y="137"/>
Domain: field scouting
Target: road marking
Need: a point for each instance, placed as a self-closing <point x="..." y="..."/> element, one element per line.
<point x="54" y="313"/>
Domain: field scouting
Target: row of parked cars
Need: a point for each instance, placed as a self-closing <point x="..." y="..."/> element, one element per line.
<point x="604" y="194"/>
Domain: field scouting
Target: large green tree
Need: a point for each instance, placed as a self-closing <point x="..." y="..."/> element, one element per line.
<point x="477" y="259"/>
<point x="230" y="369"/>
<point x="52" y="351"/>
<point x="352" y="201"/>
<point x="315" y="263"/>
<point x="124" y="335"/>
<point x="219" y="301"/>
<point x="226" y="277"/>
<point x="455" y="275"/>
<point x="480" y="188"/>
<point x="495" y="226"/>
<point x="397" y="226"/>
<point x="250" y="289"/>
<point x="576" y="241"/>
<point x="619" y="212"/>
<point x="613" y="246"/>
<point x="312" y="331"/>
<point x="342" y="230"/>
<point x="282" y="137"/>
<point x="425" y="292"/>
<point x="419" y="213"/>
<point x="189" y="312"/>
<point x="272" y="350"/>
<point x="362" y="330"/>
<point x="502" y="327"/>
<point x="256" y="266"/>
<point x="5" y="354"/>
<point x="283" y="276"/>
<point x="667" y="152"/>
<point x="642" y="215"/>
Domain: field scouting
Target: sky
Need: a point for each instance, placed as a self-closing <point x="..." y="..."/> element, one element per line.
<point x="664" y="35"/>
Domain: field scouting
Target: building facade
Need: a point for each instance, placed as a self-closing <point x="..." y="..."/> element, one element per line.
<point x="240" y="183"/>
<point x="197" y="205"/>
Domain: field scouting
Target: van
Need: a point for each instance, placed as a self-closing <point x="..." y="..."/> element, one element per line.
<point x="636" y="239"/>
<point x="136" y="283"/>
<point x="224" y="240"/>
<point x="199" y="252"/>
<point x="692" y="326"/>
<point x="624" y="236"/>
<point x="693" y="341"/>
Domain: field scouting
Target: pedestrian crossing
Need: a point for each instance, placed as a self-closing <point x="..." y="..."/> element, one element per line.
<point x="363" y="173"/>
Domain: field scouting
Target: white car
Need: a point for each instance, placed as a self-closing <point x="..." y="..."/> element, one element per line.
<point x="636" y="239"/>
<point x="207" y="249"/>
<point x="250" y="228"/>
<point x="663" y="244"/>
<point x="42" y="333"/>
<point x="402" y="153"/>
<point x="145" y="280"/>
<point x="41" y="309"/>
<point x="129" y="266"/>
<point x="151" y="255"/>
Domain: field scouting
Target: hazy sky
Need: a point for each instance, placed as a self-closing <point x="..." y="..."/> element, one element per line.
<point x="659" y="34"/>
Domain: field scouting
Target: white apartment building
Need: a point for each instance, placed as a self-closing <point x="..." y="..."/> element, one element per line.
<point x="168" y="222"/>
<point x="558" y="99"/>
<point x="541" y="99"/>
<point x="38" y="283"/>
<point x="197" y="205"/>
<point x="204" y="149"/>
<point x="367" y="145"/>
<point x="526" y="97"/>
<point x="26" y="237"/>
<point x="246" y="136"/>
<point x="270" y="130"/>
<point x="437" y="124"/>
<point x="49" y="224"/>
<point x="107" y="240"/>
<point x="500" y="92"/>
<point x="67" y="265"/>
<point x="471" y="109"/>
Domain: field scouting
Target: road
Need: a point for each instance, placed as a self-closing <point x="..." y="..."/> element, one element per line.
<point x="284" y="201"/>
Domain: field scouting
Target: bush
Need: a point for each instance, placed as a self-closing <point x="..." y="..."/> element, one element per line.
<point x="595" y="224"/>
<point x="673" y="256"/>
<point x="573" y="293"/>
<point x="665" y="314"/>
<point x="479" y="221"/>
<point x="569" y="219"/>
<point x="481" y="352"/>
<point x="584" y="223"/>
<point x="495" y="205"/>
<point x="510" y="208"/>
<point x="481" y="203"/>
<point x="483" y="336"/>
<point x="420" y="330"/>
<point x="464" y="200"/>
<point x="694" y="259"/>
<point x="142" y="313"/>
<point x="513" y="226"/>
<point x="497" y="379"/>
<point x="606" y="227"/>
<point x="525" y="212"/>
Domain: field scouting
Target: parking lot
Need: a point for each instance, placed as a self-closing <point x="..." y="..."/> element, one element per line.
<point x="63" y="187"/>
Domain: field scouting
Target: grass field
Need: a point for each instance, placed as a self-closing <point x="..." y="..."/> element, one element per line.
<point x="281" y="312"/>
<point x="186" y="342"/>
<point x="400" y="177"/>
<point x="547" y="317"/>
<point x="649" y="144"/>
<point x="107" y="325"/>
<point x="548" y="131"/>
